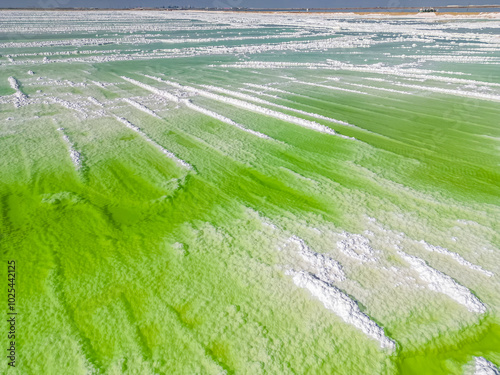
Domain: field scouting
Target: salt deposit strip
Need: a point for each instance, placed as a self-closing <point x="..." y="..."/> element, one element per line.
<point x="269" y="88"/>
<point x="19" y="97"/>
<point x="429" y="77"/>
<point x="153" y="89"/>
<point x="419" y="74"/>
<point x="340" y="304"/>
<point x="265" y="102"/>
<point x="75" y="155"/>
<point x="467" y="94"/>
<point x="194" y="107"/>
<point x="357" y="247"/>
<point x="140" y="107"/>
<point x="219" y="117"/>
<point x="14" y="84"/>
<point x="251" y="107"/>
<point x="69" y="105"/>
<point x="377" y="88"/>
<point x="327" y="269"/>
<point x="485" y="367"/>
<point x="94" y="101"/>
<point x="164" y="151"/>
<point x="255" y="92"/>
<point x="441" y="283"/>
<point x="457" y="257"/>
<point x="331" y="87"/>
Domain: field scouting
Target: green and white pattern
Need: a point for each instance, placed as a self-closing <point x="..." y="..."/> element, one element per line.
<point x="238" y="193"/>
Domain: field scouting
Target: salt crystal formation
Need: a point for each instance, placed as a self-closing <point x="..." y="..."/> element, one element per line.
<point x="250" y="192"/>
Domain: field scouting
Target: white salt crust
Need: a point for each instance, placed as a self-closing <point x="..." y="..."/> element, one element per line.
<point x="219" y="117"/>
<point x="327" y="269"/>
<point x="74" y="155"/>
<point x="320" y="286"/>
<point x="69" y="105"/>
<point x="13" y="83"/>
<point x="154" y="90"/>
<point x="265" y="102"/>
<point x="163" y="150"/>
<point x="251" y="107"/>
<point x="356" y="246"/>
<point x="141" y="107"/>
<point x="340" y="304"/>
<point x="442" y="283"/>
<point x="485" y="367"/>
<point x="95" y="101"/>
<point x="194" y="107"/>
<point x="378" y="88"/>
<point x="20" y="98"/>
<point x="455" y="256"/>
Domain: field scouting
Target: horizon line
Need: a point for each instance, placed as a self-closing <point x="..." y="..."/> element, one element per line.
<point x="177" y="7"/>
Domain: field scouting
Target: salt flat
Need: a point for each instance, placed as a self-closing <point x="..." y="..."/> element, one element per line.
<point x="219" y="193"/>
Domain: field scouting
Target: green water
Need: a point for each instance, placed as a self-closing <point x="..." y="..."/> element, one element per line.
<point x="129" y="263"/>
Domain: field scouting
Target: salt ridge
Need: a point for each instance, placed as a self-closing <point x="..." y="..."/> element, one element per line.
<point x="20" y="98"/>
<point x="95" y="101"/>
<point x="467" y="94"/>
<point x="69" y="105"/>
<point x="153" y="89"/>
<point x="251" y="107"/>
<point x="357" y="247"/>
<point x="327" y="269"/>
<point x="455" y="256"/>
<point x="74" y="155"/>
<point x="442" y="283"/>
<point x="262" y="101"/>
<point x="340" y="304"/>
<point x="163" y="150"/>
<point x="331" y="87"/>
<point x="219" y="117"/>
<point x="485" y="367"/>
<point x="141" y="107"/>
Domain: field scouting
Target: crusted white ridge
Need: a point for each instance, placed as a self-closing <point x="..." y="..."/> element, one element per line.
<point x="268" y="88"/>
<point x="251" y="107"/>
<point x="328" y="270"/>
<point x="20" y="98"/>
<point x="356" y="246"/>
<point x="485" y="367"/>
<point x="169" y="154"/>
<point x="331" y="87"/>
<point x="75" y="155"/>
<point x="266" y="102"/>
<point x="442" y="283"/>
<point x="467" y="94"/>
<point x="152" y="89"/>
<point x="456" y="256"/>
<point x="219" y="117"/>
<point x="261" y="93"/>
<point x="69" y="105"/>
<point x="140" y="107"/>
<point x="99" y="84"/>
<point x="340" y="304"/>
<point x="94" y="101"/>
<point x="13" y="83"/>
<point x="377" y="88"/>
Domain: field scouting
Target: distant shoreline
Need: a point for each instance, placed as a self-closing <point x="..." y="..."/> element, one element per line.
<point x="453" y="9"/>
<point x="464" y="14"/>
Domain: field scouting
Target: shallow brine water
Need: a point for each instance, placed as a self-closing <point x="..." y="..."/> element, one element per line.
<point x="209" y="193"/>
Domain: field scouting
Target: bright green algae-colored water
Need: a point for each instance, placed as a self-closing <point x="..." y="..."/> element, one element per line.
<point x="130" y="262"/>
